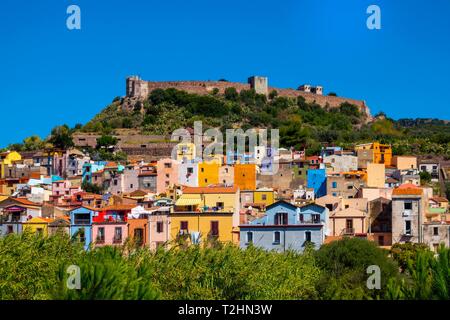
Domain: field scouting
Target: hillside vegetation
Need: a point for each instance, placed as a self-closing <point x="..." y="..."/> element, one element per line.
<point x="301" y="124"/>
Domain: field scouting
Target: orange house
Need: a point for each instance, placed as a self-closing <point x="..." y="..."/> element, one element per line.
<point x="245" y="176"/>
<point x="138" y="231"/>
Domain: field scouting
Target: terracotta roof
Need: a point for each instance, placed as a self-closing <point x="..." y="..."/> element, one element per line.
<point x="439" y="199"/>
<point x="138" y="193"/>
<point x="27" y="202"/>
<point x="407" y="189"/>
<point x="111" y="164"/>
<point x="147" y="174"/>
<point x="210" y="189"/>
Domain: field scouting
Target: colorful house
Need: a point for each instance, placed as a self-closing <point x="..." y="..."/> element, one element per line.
<point x="186" y="151"/>
<point x="109" y="225"/>
<point x="204" y="213"/>
<point x="317" y="180"/>
<point x="81" y="225"/>
<point x="167" y="170"/>
<point x="208" y="173"/>
<point x="286" y="227"/>
<point x="37" y="225"/>
<point x="245" y="176"/>
<point x="373" y="153"/>
<point x="7" y="158"/>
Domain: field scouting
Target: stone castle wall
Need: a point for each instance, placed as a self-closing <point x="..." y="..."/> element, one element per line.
<point x="206" y="87"/>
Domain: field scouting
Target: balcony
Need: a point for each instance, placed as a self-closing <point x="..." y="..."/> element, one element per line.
<point x="82" y="221"/>
<point x="348" y="231"/>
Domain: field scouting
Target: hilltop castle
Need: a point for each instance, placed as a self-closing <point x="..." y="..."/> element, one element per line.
<point x="136" y="88"/>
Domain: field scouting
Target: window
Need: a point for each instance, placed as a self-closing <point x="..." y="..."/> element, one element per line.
<point x="249" y="237"/>
<point x="408" y="205"/>
<point x="167" y="175"/>
<point x="159" y="227"/>
<point x="101" y="234"/>
<point x="117" y="234"/>
<point x="281" y="218"/>
<point x="167" y="165"/>
<point x="220" y="205"/>
<point x="184" y="226"/>
<point x="423" y="168"/>
<point x="202" y="170"/>
<point x="206" y="180"/>
<point x="115" y="182"/>
<point x="347" y="206"/>
<point x="308" y="236"/>
<point x="349" y="187"/>
<point x="264" y="197"/>
<point x="214" y="228"/>
<point x="131" y="186"/>
<point x="349" y="223"/>
<point x="435" y="231"/>
<point x="301" y="218"/>
<point x="315" y="218"/>
<point x="408" y="230"/>
<point x="334" y="184"/>
<point x="276" y="237"/>
<point x="190" y="170"/>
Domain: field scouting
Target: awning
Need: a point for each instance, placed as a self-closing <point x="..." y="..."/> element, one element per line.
<point x="189" y="200"/>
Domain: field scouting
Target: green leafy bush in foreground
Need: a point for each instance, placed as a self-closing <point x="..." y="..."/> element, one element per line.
<point x="35" y="267"/>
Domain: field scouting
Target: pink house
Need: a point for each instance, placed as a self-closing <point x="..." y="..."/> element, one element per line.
<point x="109" y="226"/>
<point x="62" y="189"/>
<point x="159" y="229"/>
<point x="167" y="174"/>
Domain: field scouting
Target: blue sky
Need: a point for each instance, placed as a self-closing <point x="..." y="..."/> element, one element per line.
<point x="50" y="75"/>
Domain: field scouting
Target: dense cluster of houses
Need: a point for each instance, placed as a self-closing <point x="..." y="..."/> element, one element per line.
<point x="367" y="192"/>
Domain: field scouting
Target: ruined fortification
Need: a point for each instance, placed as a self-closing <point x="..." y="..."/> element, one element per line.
<point x="136" y="89"/>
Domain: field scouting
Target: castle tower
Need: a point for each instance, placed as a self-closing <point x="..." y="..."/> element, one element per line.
<point x="136" y="87"/>
<point x="259" y="84"/>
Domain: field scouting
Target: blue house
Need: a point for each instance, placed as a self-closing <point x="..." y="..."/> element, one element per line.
<point x="317" y="180"/>
<point x="81" y="225"/>
<point x="286" y="227"/>
<point x="89" y="168"/>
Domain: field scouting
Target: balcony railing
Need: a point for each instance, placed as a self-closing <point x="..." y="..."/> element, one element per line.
<point x="82" y="221"/>
<point x="348" y="231"/>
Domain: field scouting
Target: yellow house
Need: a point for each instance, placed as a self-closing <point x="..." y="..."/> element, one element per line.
<point x="186" y="151"/>
<point x="202" y="226"/>
<point x="265" y="196"/>
<point x="404" y="162"/>
<point x="7" y="158"/>
<point x="376" y="175"/>
<point x="374" y="152"/>
<point x="206" y="212"/>
<point x="37" y="225"/>
<point x="208" y="173"/>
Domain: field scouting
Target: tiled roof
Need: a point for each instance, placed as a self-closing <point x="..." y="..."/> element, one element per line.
<point x="439" y="199"/>
<point x="407" y="189"/>
<point x="26" y="202"/>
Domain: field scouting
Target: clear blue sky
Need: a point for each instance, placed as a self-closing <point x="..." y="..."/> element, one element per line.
<point x="50" y="75"/>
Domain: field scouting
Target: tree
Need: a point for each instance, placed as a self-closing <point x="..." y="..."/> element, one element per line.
<point x="32" y="143"/>
<point x="231" y="94"/>
<point x="344" y="264"/>
<point x="273" y="94"/>
<point x="106" y="142"/>
<point x="61" y="137"/>
<point x="425" y="177"/>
